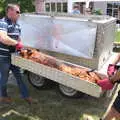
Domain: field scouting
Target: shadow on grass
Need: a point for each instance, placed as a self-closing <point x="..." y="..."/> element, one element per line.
<point x="53" y="106"/>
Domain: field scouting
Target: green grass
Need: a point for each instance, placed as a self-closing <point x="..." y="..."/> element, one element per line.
<point x="52" y="106"/>
<point x="117" y="39"/>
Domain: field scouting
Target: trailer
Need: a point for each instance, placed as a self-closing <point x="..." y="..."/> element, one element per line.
<point x="84" y="41"/>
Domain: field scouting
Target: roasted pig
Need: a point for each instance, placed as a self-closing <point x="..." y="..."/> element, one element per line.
<point x="41" y="58"/>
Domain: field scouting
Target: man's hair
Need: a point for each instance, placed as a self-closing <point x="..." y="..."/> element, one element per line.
<point x="76" y="6"/>
<point x="11" y="6"/>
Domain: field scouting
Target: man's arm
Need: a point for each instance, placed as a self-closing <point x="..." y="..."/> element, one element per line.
<point x="5" y="39"/>
<point x="116" y="58"/>
<point x="116" y="75"/>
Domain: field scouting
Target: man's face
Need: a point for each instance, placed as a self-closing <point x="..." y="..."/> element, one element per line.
<point x="13" y="13"/>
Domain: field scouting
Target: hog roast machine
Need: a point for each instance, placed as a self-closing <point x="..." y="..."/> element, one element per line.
<point x="77" y="40"/>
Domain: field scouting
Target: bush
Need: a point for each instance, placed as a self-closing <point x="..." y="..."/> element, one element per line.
<point x="97" y="12"/>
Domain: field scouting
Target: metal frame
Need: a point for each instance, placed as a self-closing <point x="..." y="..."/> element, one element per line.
<point x="57" y="76"/>
<point x="105" y="36"/>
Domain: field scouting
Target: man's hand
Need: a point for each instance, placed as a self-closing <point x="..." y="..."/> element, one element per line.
<point x="19" y="45"/>
<point x="115" y="77"/>
<point x="105" y="84"/>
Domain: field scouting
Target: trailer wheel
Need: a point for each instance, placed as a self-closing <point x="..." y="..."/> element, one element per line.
<point x="37" y="81"/>
<point x="69" y="92"/>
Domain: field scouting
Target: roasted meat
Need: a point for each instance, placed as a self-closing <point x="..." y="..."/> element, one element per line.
<point x="41" y="58"/>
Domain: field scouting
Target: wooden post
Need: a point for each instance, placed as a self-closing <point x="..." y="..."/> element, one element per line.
<point x="70" y="6"/>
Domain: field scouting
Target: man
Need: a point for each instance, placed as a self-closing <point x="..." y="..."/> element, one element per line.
<point x="107" y="84"/>
<point x="114" y="76"/>
<point x="76" y="9"/>
<point x="88" y="11"/>
<point x="9" y="43"/>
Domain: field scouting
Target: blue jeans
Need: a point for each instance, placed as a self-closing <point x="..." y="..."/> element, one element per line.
<point x="5" y="67"/>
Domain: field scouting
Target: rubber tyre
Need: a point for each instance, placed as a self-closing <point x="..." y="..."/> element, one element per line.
<point x="69" y="92"/>
<point x="37" y="81"/>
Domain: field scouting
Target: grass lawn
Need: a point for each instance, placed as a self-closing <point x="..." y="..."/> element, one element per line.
<point x="52" y="106"/>
<point x="117" y="39"/>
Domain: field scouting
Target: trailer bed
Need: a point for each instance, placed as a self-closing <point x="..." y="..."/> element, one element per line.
<point x="57" y="76"/>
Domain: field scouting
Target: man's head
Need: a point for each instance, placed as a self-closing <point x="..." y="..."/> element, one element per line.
<point x="13" y="12"/>
<point x="76" y="7"/>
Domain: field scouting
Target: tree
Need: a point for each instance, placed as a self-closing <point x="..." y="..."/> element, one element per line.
<point x="25" y="5"/>
<point x="2" y="6"/>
